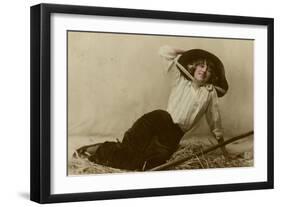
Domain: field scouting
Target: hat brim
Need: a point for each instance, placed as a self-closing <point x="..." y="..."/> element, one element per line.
<point x="219" y="79"/>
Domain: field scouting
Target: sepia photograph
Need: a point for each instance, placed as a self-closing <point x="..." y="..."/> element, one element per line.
<point x="143" y="102"/>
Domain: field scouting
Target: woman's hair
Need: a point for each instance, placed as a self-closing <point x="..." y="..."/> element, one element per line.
<point x="192" y="66"/>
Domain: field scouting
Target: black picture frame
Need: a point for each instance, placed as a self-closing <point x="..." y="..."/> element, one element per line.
<point x="41" y="102"/>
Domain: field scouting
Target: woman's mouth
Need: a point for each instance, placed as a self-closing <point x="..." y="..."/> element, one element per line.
<point x="202" y="75"/>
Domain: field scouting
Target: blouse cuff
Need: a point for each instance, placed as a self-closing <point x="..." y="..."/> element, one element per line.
<point x="167" y="52"/>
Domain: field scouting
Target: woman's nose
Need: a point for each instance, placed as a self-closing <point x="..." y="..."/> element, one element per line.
<point x="204" y="69"/>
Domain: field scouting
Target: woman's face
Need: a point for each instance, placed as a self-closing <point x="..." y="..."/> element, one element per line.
<point x="202" y="73"/>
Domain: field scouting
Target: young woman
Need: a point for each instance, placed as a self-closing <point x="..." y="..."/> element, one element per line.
<point x="198" y="80"/>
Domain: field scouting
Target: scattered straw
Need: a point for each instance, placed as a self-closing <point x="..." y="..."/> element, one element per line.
<point x="215" y="159"/>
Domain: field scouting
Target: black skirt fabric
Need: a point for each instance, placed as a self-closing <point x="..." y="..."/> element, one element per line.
<point x="151" y="140"/>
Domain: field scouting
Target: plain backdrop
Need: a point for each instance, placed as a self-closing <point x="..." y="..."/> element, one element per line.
<point x="15" y="96"/>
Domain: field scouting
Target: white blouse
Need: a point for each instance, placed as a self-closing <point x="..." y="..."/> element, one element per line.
<point x="188" y="104"/>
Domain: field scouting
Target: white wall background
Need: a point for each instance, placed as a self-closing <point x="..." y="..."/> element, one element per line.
<point x="14" y="105"/>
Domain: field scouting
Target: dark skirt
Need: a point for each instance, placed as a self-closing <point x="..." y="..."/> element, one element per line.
<point x="151" y="140"/>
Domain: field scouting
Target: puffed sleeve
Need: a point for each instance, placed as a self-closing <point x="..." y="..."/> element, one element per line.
<point x="213" y="115"/>
<point x="168" y="55"/>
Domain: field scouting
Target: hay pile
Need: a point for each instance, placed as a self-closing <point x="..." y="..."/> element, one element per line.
<point x="215" y="159"/>
<point x="80" y="166"/>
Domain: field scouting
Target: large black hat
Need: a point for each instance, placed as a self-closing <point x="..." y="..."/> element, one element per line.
<point x="218" y="78"/>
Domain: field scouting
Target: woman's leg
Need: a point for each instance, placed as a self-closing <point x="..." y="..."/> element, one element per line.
<point x="150" y="140"/>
